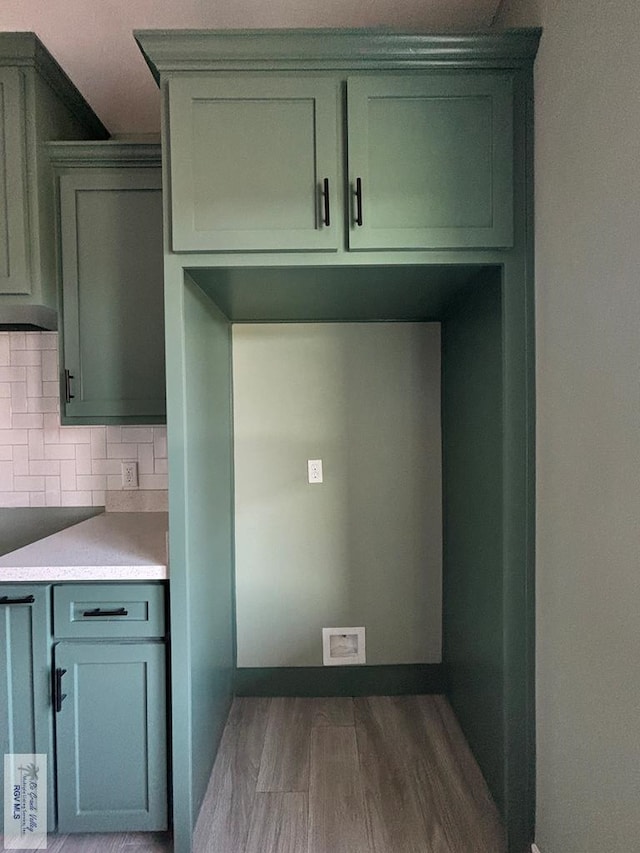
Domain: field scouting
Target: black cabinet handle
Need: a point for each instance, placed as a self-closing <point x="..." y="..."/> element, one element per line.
<point x="58" y="695"/>
<point x="326" y="219"/>
<point x="5" y="600"/>
<point x="98" y="612"/>
<point x="68" y="396"/>
<point x="358" y="195"/>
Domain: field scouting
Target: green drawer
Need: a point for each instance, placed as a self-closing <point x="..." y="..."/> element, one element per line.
<point x="92" y="611"/>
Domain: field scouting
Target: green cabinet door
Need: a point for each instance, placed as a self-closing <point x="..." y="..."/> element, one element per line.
<point x="13" y="197"/>
<point x="111" y="737"/>
<point x="38" y="103"/>
<point x="25" y="676"/>
<point x="112" y="295"/>
<point x="430" y="161"/>
<point x="253" y="160"/>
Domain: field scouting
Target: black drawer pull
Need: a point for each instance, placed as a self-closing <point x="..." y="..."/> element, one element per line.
<point x="28" y="599"/>
<point x="58" y="695"/>
<point x="98" y="612"/>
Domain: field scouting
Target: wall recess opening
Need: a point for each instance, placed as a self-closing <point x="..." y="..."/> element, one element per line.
<point x="343" y="646"/>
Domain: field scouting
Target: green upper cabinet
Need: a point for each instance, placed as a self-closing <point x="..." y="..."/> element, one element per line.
<point x="38" y="103"/>
<point x="430" y="161"/>
<point x="13" y="198"/>
<point x="253" y="163"/>
<point x="111" y="269"/>
<point x="416" y="134"/>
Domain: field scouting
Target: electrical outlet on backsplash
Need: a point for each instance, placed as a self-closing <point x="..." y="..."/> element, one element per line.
<point x="45" y="464"/>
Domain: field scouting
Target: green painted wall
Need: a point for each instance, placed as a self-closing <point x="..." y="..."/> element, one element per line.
<point x="365" y="546"/>
<point x="473" y="529"/>
<point x="588" y="415"/>
<point x="201" y="563"/>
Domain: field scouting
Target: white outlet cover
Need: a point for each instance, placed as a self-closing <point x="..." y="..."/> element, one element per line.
<point x="343" y="646"/>
<point x="314" y="470"/>
<point x="130" y="475"/>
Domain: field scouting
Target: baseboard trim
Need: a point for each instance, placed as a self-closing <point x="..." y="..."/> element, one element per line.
<point x="385" y="680"/>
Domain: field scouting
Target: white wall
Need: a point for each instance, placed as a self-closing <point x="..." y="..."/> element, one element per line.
<point x="364" y="548"/>
<point x="588" y="373"/>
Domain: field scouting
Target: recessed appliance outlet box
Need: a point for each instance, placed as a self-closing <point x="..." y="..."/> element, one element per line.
<point x="343" y="646"/>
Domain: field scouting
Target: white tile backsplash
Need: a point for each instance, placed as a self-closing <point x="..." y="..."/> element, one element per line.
<point x="45" y="464"/>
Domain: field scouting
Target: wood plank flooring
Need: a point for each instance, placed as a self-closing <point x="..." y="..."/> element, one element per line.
<point x="378" y="774"/>
<point x="115" y="842"/>
<point x="367" y="775"/>
<point x="337" y="817"/>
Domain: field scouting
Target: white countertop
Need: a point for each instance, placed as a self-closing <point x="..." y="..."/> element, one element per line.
<point x="111" y="546"/>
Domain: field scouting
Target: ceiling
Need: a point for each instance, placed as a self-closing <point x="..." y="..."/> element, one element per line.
<point x="92" y="39"/>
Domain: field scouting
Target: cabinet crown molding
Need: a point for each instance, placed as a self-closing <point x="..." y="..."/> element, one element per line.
<point x="103" y="154"/>
<point x="171" y="51"/>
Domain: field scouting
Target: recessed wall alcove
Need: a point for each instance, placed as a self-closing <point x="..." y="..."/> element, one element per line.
<point x="485" y="579"/>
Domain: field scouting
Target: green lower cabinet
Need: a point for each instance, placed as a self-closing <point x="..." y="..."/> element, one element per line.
<point x="110" y="715"/>
<point x="24" y="675"/>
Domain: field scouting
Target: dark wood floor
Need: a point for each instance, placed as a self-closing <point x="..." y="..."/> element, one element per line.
<point x="370" y="775"/>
